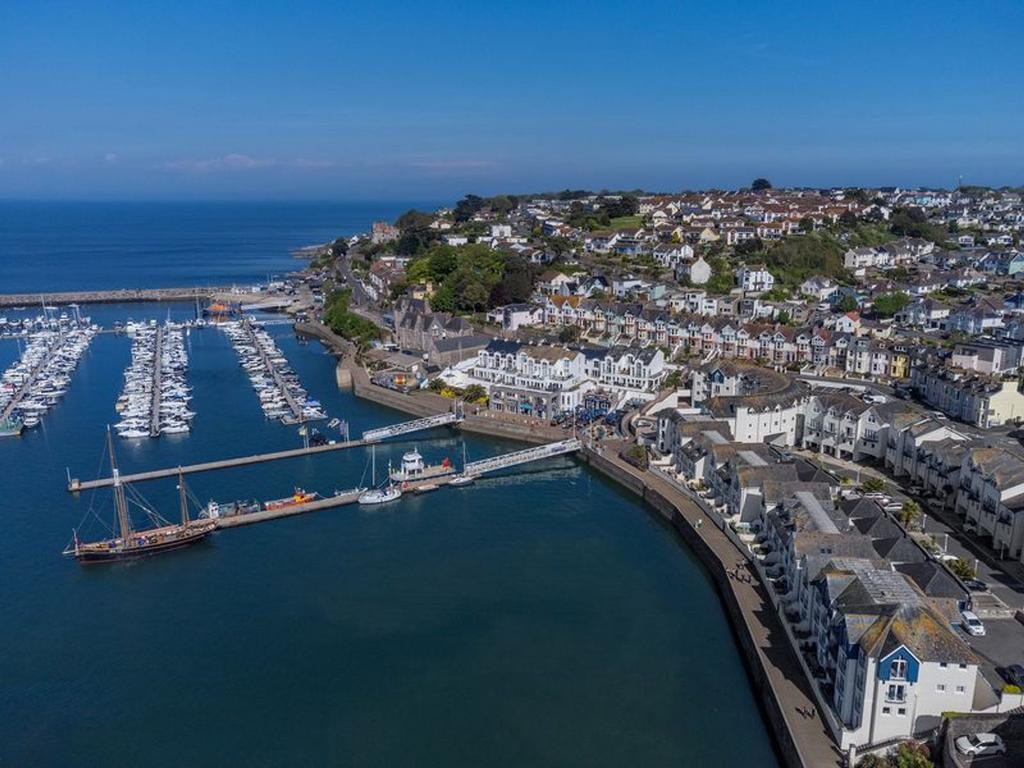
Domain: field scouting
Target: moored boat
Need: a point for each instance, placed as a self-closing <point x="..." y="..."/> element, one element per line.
<point x="299" y="497"/>
<point x="128" y="543"/>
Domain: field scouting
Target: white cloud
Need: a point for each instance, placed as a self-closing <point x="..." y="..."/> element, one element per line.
<point x="110" y="157"/>
<point x="234" y="161"/>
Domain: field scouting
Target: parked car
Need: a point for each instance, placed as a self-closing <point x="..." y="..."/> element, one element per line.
<point x="1015" y="674"/>
<point x="972" y="624"/>
<point x="978" y="744"/>
<point x="975" y="585"/>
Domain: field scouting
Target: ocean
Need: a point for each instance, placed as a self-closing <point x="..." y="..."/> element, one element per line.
<point x="545" y="618"/>
<point x="81" y="246"/>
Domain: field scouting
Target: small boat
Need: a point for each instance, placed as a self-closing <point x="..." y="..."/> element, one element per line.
<point x="299" y="497"/>
<point x="129" y="543"/>
<point x="461" y="480"/>
<point x="387" y="492"/>
<point x="427" y="488"/>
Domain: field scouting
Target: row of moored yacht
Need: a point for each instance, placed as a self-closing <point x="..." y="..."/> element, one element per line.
<point x="159" y="360"/>
<point x="50" y="320"/>
<point x="31" y="386"/>
<point x="281" y="394"/>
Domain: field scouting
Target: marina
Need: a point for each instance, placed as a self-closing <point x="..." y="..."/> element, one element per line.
<point x="34" y="384"/>
<point x="155" y="399"/>
<point x="281" y="394"/>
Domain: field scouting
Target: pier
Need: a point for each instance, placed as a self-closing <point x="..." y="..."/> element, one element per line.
<point x="154" y="415"/>
<point x="476" y="469"/>
<point x="75" y="484"/>
<point x="428" y="422"/>
<point x="109" y="297"/>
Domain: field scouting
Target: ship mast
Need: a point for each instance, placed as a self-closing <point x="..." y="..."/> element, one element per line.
<point x="123" y="521"/>
<point x="181" y="497"/>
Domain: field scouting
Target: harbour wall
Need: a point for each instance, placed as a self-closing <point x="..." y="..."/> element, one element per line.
<point x="107" y="297"/>
<point x="717" y="569"/>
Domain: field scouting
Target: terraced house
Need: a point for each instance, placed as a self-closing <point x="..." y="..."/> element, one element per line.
<point x="991" y="497"/>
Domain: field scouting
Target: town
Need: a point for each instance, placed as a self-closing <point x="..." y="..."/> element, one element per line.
<point x="831" y="376"/>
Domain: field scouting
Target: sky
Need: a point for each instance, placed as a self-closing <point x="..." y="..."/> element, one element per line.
<point x="390" y="100"/>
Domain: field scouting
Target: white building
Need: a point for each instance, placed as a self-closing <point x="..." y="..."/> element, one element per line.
<point x="755" y="278"/>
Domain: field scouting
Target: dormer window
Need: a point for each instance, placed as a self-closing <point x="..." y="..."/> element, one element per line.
<point x="898" y="669"/>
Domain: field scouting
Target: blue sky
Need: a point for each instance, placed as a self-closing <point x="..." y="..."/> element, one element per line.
<point x="404" y="100"/>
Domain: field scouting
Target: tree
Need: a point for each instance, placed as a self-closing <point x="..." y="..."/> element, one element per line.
<point x="910" y="754"/>
<point x="961" y="569"/>
<point x="748" y="247"/>
<point x="874" y="485"/>
<point x="467" y="206"/>
<point x="910" y="513"/>
<point x="474" y="393"/>
<point x="568" y="334"/>
<point x="783" y="317"/>
<point x="889" y="304"/>
<point x="847" y="304"/>
<point x="760" y="185"/>
<point x="806" y="224"/>
<point x="848" y="219"/>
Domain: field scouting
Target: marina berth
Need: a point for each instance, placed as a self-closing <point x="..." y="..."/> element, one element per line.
<point x="40" y="377"/>
<point x="278" y="388"/>
<point x="155" y="399"/>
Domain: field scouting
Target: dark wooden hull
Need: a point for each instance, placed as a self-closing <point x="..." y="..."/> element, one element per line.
<point x="87" y="555"/>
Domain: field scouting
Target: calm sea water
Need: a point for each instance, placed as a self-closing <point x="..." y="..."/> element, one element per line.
<point x="71" y="246"/>
<point x="542" y="619"/>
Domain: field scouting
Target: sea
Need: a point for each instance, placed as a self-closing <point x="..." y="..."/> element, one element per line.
<point x="539" y="618"/>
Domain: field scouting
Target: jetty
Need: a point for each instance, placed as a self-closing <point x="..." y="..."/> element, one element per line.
<point x="154" y="414"/>
<point x="75" y="485"/>
<point x="342" y="498"/>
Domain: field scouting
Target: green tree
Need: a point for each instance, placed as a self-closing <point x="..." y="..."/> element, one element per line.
<point x="806" y="224"/>
<point x="874" y="485"/>
<point x="568" y="334"/>
<point x="847" y="304"/>
<point x="911" y="513"/>
<point x="889" y="304"/>
<point x="961" y="568"/>
<point x="474" y="393"/>
<point x="760" y="185"/>
<point x="910" y="754"/>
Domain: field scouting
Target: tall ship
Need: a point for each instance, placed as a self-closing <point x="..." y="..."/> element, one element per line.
<point x="129" y="543"/>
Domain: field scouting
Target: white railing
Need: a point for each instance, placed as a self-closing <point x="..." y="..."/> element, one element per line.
<point x="477" y="468"/>
<point x="375" y="435"/>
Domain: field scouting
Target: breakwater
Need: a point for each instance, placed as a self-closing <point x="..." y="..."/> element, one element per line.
<point x="107" y="297"/>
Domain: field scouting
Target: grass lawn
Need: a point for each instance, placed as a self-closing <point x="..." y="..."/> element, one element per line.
<point x="626" y="222"/>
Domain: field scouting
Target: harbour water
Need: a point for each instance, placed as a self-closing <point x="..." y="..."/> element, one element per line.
<point x="543" y="619"/>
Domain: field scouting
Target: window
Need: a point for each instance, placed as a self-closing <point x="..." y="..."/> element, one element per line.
<point x="898" y="669"/>
<point x="941" y="688"/>
<point x="896" y="693"/>
<point x="901" y="711"/>
<point x="960" y="689"/>
<point x="943" y="664"/>
<point x="886" y="710"/>
<point x="963" y="666"/>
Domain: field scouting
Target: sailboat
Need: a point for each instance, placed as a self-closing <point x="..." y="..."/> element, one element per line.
<point x="463" y="478"/>
<point x="129" y="543"/>
<point x="387" y="492"/>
